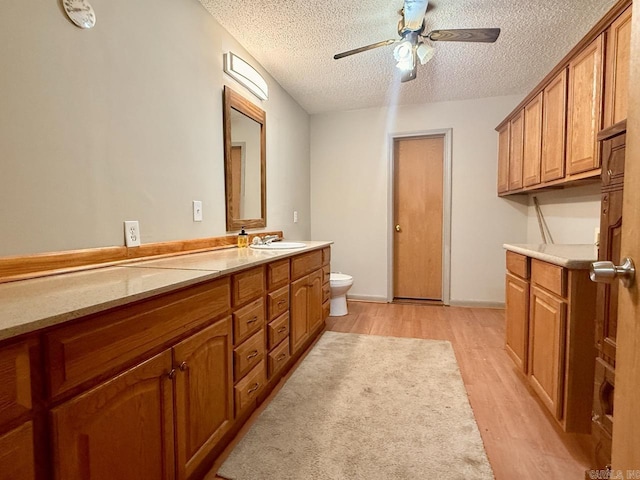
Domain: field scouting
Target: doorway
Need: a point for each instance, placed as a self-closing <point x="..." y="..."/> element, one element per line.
<point x="420" y="217"/>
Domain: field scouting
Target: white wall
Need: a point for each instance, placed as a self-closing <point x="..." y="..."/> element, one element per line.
<point x="572" y="214"/>
<point x="350" y="158"/>
<point x="124" y="122"/>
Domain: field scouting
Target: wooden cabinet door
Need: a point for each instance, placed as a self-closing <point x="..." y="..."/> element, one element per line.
<point x="16" y="454"/>
<point x="203" y="395"/>
<point x="516" y="151"/>
<point x="532" y="142"/>
<point x="121" y="429"/>
<point x="584" y="111"/>
<point x="517" y="319"/>
<point x="616" y="85"/>
<point x="299" y="326"/>
<point x="503" y="158"/>
<point x="554" y="127"/>
<point x="315" y="300"/>
<point x="547" y="337"/>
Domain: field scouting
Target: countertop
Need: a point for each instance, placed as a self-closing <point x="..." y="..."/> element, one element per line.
<point x="30" y="305"/>
<point x="576" y="257"/>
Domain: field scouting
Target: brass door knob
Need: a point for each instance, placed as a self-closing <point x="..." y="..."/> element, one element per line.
<point x="397" y="228"/>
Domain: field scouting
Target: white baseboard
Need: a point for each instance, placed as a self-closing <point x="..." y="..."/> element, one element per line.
<point x="367" y="298"/>
<point x="476" y="304"/>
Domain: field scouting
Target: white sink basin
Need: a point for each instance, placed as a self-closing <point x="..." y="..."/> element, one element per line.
<point x="279" y="246"/>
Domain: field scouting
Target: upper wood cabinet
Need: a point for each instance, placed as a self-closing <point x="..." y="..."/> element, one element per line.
<point x="549" y="139"/>
<point x="584" y="108"/>
<point x="503" y="158"/>
<point x="516" y="150"/>
<point x="532" y="142"/>
<point x="554" y="121"/>
<point x="616" y="86"/>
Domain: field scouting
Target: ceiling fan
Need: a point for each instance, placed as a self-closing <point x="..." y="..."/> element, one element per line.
<point x="411" y="48"/>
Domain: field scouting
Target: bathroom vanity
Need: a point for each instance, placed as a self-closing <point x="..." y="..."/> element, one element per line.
<point x="550" y="326"/>
<point x="148" y="369"/>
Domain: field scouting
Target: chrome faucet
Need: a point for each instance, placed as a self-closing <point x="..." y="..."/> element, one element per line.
<point x="266" y="240"/>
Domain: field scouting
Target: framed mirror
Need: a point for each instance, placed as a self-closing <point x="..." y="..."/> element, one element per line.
<point x="245" y="165"/>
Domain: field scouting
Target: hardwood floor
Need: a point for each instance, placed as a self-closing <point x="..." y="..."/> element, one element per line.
<point x="522" y="441"/>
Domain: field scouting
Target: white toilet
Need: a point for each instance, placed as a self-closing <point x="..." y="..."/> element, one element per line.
<point x="340" y="284"/>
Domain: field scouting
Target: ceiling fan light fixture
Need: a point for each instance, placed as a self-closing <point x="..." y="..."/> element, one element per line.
<point x="404" y="55"/>
<point x="425" y="52"/>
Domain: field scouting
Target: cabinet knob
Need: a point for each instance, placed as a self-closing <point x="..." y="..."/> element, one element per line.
<point x="172" y="374"/>
<point x="183" y="366"/>
<point x="398" y="228"/>
<point x="607" y="272"/>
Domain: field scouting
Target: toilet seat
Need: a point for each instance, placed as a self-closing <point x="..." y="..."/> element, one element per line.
<point x="340" y="279"/>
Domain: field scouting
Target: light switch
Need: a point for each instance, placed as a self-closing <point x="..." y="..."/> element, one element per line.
<point x="197" y="211"/>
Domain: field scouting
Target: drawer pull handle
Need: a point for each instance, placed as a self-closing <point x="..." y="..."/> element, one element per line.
<point x="282" y="302"/>
<point x="183" y="366"/>
<point x="280" y="357"/>
<point x="172" y="374"/>
<point x="282" y="329"/>
<point x="254" y="388"/>
<point x="252" y="355"/>
<point x="252" y="320"/>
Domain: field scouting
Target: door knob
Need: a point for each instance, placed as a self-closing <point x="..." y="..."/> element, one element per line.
<point x="397" y="228"/>
<point x="607" y="272"/>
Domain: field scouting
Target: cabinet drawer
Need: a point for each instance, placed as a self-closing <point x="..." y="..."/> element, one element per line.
<point x="15" y="387"/>
<point x="278" y="358"/>
<point x="277" y="274"/>
<point x="247" y="389"/>
<point x="247" y="321"/>
<point x="326" y="274"/>
<point x="247" y="355"/>
<point x="278" y="330"/>
<point x="278" y="302"/>
<point x="326" y="256"/>
<point x="326" y="292"/>
<point x="104" y="343"/>
<point x="552" y="277"/>
<point x="518" y="264"/>
<point x="247" y="286"/>
<point x="305" y="263"/>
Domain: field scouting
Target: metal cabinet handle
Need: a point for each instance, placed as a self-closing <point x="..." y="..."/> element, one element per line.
<point x="252" y="320"/>
<point x="607" y="272"/>
<point x="252" y="355"/>
<point x="282" y="302"/>
<point x="282" y="329"/>
<point x="254" y="388"/>
<point x="183" y="366"/>
<point x="172" y="374"/>
<point x="281" y="357"/>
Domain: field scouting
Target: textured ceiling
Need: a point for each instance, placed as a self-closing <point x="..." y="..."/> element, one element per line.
<point x="295" y="42"/>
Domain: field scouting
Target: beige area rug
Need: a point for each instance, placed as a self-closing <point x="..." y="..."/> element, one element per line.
<point x="366" y="407"/>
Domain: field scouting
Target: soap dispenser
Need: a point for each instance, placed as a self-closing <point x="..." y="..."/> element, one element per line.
<point x="243" y="239"/>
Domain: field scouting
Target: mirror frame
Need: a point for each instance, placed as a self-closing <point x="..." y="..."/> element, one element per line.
<point x="233" y="100"/>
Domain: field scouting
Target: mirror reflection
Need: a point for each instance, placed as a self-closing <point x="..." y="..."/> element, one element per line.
<point x="245" y="162"/>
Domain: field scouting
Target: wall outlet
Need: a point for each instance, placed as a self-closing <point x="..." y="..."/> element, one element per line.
<point x="295" y="216"/>
<point x="131" y="233"/>
<point x="197" y="211"/>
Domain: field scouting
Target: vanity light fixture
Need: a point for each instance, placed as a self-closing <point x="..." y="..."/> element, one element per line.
<point x="246" y="75"/>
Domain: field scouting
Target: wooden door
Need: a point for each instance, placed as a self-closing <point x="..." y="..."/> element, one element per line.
<point x="203" y="395"/>
<point x="516" y="151"/>
<point x="554" y="127"/>
<point x="517" y="318"/>
<point x="418" y="217"/>
<point x="532" y="142"/>
<point x="547" y="327"/>
<point x="503" y="158"/>
<point x="299" y="326"/>
<point x="16" y="454"/>
<point x="315" y="300"/>
<point x="584" y="110"/>
<point x="626" y="427"/>
<point x="121" y="429"/>
<point x="616" y="85"/>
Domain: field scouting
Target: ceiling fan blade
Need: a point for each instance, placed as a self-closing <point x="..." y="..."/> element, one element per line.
<point x="414" y="11"/>
<point x="363" y="49"/>
<point x="485" y="35"/>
